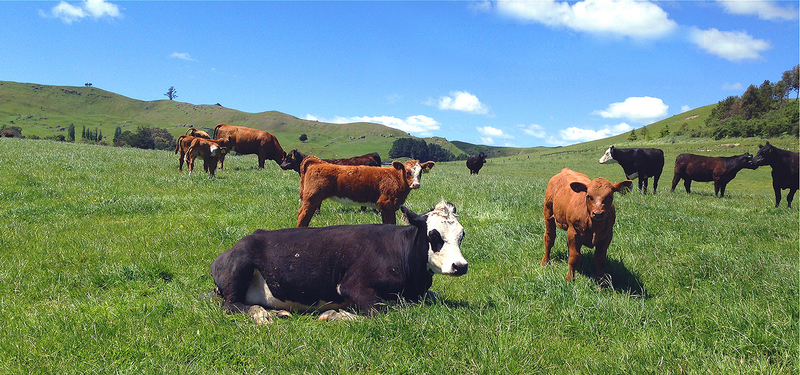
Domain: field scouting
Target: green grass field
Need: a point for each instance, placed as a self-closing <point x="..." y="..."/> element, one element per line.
<point x="105" y="257"/>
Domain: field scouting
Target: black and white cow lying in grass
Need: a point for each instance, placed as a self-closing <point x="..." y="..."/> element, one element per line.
<point x="336" y="267"/>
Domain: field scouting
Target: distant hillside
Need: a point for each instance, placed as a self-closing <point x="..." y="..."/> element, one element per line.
<point x="42" y="110"/>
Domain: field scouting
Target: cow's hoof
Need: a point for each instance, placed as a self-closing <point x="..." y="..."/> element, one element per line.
<point x="259" y="315"/>
<point x="333" y="315"/>
<point x="281" y="314"/>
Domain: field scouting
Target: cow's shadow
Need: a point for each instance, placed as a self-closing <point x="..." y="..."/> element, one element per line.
<point x="618" y="276"/>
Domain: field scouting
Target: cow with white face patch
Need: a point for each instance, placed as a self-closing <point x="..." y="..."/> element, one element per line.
<point x="329" y="268"/>
<point x="383" y="188"/>
<point x="641" y="163"/>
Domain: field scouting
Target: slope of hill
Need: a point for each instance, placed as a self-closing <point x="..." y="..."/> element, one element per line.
<point x="42" y="110"/>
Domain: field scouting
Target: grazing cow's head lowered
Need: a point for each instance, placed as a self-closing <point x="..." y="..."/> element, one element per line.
<point x="444" y="237"/>
<point x="599" y="194"/>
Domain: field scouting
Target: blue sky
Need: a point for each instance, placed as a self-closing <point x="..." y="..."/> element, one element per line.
<point x="503" y="73"/>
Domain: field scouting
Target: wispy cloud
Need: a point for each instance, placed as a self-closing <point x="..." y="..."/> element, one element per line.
<point x="182" y="56"/>
<point x="733" y="87"/>
<point x="462" y="101"/>
<point x="626" y="18"/>
<point x="574" y="134"/>
<point x="533" y="130"/>
<point x="488" y="134"/>
<point x="639" y="109"/>
<point x="96" y="9"/>
<point x="730" y="45"/>
<point x="418" y="125"/>
<point x="764" y="9"/>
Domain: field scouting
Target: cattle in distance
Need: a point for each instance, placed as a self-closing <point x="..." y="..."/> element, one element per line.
<point x="250" y="141"/>
<point x="476" y="162"/>
<point x="641" y="163"/>
<point x="332" y="268"/>
<point x="383" y="188"/>
<point x="585" y="209"/>
<point x="181" y="146"/>
<point x="294" y="158"/>
<point x="784" y="165"/>
<point x="721" y="170"/>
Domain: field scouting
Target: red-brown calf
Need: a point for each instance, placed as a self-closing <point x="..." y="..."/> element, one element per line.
<point x="181" y="145"/>
<point x="585" y="209"/>
<point x="250" y="141"/>
<point x="207" y="149"/>
<point x="383" y="188"/>
<point x="197" y="133"/>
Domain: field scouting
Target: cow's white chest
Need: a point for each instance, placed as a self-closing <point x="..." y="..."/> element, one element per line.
<point x="258" y="293"/>
<point x="350" y="202"/>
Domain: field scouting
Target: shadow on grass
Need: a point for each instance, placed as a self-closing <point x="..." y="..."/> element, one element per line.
<point x="618" y="277"/>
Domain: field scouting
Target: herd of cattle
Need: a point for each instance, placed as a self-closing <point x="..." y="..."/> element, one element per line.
<point x="332" y="268"/>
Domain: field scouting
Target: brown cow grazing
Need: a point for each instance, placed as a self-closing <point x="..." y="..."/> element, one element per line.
<point x="181" y="146"/>
<point x="383" y="188"/>
<point x="294" y="158"/>
<point x="721" y="170"/>
<point x="785" y="167"/>
<point x="250" y="141"/>
<point x="197" y="133"/>
<point x="207" y="149"/>
<point x="585" y="209"/>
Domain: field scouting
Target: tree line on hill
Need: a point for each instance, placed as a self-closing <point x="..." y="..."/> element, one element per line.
<point x="763" y="111"/>
<point x="421" y="150"/>
<point x="144" y="137"/>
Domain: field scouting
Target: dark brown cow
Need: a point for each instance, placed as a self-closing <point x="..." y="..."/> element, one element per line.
<point x="585" y="209"/>
<point x="197" y="133"/>
<point x="383" y="188"/>
<point x="209" y="150"/>
<point x="721" y="170"/>
<point x="181" y="146"/>
<point x="475" y="163"/>
<point x="294" y="158"/>
<point x="250" y="141"/>
<point x="785" y="167"/>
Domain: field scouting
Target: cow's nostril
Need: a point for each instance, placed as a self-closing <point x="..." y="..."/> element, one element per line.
<point x="460" y="268"/>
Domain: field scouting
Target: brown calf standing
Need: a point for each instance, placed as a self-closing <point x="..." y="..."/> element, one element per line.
<point x="250" y="141"/>
<point x="197" y="133"/>
<point x="585" y="209"/>
<point x="383" y="188"/>
<point x="207" y="149"/>
<point x="181" y="146"/>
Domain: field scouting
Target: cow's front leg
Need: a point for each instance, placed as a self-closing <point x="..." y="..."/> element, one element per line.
<point x="574" y="245"/>
<point x="790" y="196"/>
<point x="600" y="260"/>
<point x="549" y="234"/>
<point x="333" y="315"/>
<point x="306" y="212"/>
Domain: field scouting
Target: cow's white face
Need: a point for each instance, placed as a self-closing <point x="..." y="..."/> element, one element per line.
<point x="214" y="150"/>
<point x="607" y="158"/>
<point x="414" y="172"/>
<point x="444" y="235"/>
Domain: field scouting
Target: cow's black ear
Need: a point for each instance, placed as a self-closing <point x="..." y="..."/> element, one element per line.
<point x="413" y="218"/>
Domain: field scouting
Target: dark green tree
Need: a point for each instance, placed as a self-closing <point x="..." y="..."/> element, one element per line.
<point x="171" y="93"/>
<point x="303" y="137"/>
<point x="71" y="132"/>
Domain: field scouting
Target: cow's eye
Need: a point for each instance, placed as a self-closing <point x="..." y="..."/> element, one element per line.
<point x="435" y="240"/>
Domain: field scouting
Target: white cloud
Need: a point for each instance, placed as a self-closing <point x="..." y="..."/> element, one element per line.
<point x="574" y="134"/>
<point x="533" y="130"/>
<point x="89" y="8"/>
<point x="639" y="109"/>
<point x="764" y="9"/>
<point x="464" y="102"/>
<point x="734" y="87"/>
<point x="182" y="56"/>
<point x="626" y="18"/>
<point x="730" y="45"/>
<point x="685" y="108"/>
<point x="493" y="132"/>
<point x="418" y="125"/>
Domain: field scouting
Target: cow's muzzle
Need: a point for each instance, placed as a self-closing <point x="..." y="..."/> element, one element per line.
<point x="459" y="269"/>
<point x="598" y="215"/>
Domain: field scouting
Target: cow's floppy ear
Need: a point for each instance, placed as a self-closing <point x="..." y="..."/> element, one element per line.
<point x="413" y="218"/>
<point x="398" y="165"/>
<point x="624" y="187"/>
<point x="578" y="187"/>
<point x="427" y="166"/>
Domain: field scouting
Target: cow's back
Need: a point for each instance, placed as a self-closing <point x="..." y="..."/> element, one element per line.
<point x="559" y="198"/>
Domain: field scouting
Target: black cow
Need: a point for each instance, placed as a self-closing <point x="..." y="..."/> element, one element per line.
<point x="637" y="162"/>
<point x="475" y="163"/>
<point x="784" y="165"/>
<point x="339" y="266"/>
<point x="721" y="170"/>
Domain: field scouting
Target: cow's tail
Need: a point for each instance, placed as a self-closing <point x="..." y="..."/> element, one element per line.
<point x="216" y="130"/>
<point x="178" y="143"/>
